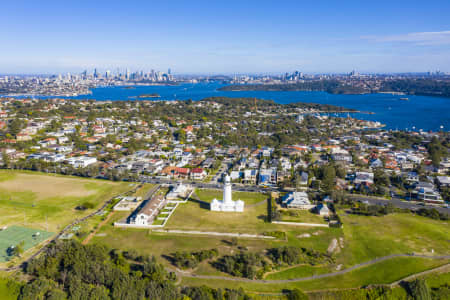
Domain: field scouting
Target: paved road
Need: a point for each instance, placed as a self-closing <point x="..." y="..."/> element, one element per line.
<point x="364" y="264"/>
<point x="223" y="167"/>
<point x="398" y="203"/>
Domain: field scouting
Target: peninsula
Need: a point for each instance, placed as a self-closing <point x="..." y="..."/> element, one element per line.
<point x="354" y="86"/>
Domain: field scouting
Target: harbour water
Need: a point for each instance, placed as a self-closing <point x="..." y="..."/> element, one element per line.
<point x="418" y="112"/>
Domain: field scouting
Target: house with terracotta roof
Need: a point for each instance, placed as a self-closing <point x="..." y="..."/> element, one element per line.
<point x="175" y="172"/>
<point x="198" y="174"/>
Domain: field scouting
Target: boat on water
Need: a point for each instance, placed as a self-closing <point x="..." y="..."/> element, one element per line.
<point x="404" y="99"/>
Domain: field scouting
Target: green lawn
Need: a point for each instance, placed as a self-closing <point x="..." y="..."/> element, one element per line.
<point x="9" y="289"/>
<point x="369" y="237"/>
<point x="433" y="280"/>
<point x="39" y="200"/>
<point x="301" y="216"/>
<point x="158" y="222"/>
<point x="141" y="192"/>
<point x="160" y="244"/>
<point x="298" y="272"/>
<point x="195" y="215"/>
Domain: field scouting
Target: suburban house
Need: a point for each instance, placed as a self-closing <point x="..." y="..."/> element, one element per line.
<point x="298" y="200"/>
<point x="268" y="176"/>
<point x="82" y="161"/>
<point x="443" y="181"/>
<point x="426" y="192"/>
<point x="323" y="210"/>
<point x="304" y="179"/>
<point x="198" y="174"/>
<point x="363" y="178"/>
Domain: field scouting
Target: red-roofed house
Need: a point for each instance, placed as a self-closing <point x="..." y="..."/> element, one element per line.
<point x="198" y="174"/>
<point x="176" y="172"/>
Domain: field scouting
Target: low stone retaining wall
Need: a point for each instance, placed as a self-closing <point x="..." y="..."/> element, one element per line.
<point x="300" y="224"/>
<point x="227" y="234"/>
<point x="127" y="225"/>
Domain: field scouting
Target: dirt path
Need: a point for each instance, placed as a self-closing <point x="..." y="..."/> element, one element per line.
<point x="93" y="233"/>
<point x="258" y="203"/>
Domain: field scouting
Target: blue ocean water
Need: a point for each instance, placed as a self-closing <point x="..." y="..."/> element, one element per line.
<point x="420" y="112"/>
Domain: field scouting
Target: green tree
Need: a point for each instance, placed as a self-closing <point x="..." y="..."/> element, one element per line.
<point x="15" y="126"/>
<point x="329" y="178"/>
<point x="18" y="249"/>
<point x="381" y="178"/>
<point x="6" y="160"/>
<point x="419" y="290"/>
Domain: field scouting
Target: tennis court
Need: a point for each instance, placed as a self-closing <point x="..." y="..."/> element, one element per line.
<point x="14" y="235"/>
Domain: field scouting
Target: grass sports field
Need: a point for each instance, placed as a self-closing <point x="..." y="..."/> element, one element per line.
<point x="14" y="235"/>
<point x="48" y="202"/>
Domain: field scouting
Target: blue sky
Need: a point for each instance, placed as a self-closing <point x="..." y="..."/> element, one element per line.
<point x="225" y="36"/>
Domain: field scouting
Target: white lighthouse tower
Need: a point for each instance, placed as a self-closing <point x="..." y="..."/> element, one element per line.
<point x="227" y="198"/>
<point x="227" y="204"/>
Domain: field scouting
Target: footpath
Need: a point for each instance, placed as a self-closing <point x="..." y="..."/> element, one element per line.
<point x="326" y="275"/>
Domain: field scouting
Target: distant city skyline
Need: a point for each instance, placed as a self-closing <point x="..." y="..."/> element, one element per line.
<point x="203" y="37"/>
<point x="122" y="71"/>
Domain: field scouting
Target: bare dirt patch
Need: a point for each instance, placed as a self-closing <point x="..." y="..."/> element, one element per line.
<point x="334" y="246"/>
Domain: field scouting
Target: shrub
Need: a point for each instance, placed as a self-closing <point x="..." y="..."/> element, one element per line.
<point x="291" y="255"/>
<point x="85" y="205"/>
<point x="243" y="264"/>
<point x="296" y="294"/>
<point x="188" y="260"/>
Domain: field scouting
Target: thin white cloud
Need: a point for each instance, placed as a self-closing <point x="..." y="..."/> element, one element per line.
<point x="417" y="38"/>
